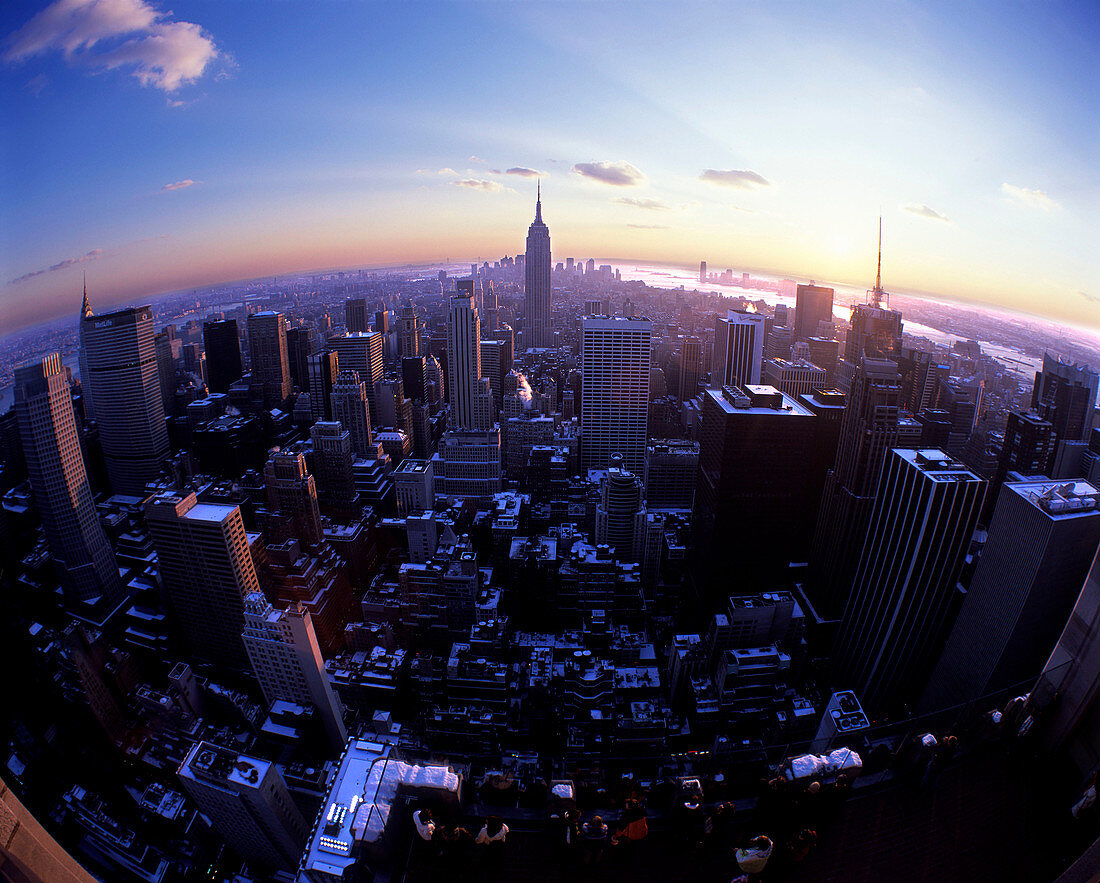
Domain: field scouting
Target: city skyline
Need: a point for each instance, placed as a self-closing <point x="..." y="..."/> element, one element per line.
<point x="249" y="148"/>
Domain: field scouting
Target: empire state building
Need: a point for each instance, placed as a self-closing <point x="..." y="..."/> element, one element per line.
<point x="540" y="334"/>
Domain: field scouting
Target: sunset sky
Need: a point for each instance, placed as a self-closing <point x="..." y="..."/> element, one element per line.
<point x="161" y="146"/>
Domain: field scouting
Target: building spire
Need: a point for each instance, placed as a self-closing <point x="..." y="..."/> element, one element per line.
<point x="538" y="203"/>
<point x="86" y="308"/>
<point x="878" y="295"/>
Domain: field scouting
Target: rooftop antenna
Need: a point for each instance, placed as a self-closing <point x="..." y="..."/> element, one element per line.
<point x="538" y="202"/>
<point x="878" y="295"/>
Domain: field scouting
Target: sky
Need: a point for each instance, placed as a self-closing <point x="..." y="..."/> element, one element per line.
<point x="160" y="147"/>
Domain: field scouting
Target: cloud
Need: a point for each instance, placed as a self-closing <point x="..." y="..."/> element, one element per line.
<point x="477" y="159"/>
<point x="35" y="85"/>
<point x="92" y="255"/>
<point x="447" y="170"/>
<point x="923" y="211"/>
<point x="1033" y="198"/>
<point x="643" y="202"/>
<point x="617" y="174"/>
<point x="648" y="226"/>
<point x="1093" y="298"/>
<point x="480" y="184"/>
<point x="158" y="52"/>
<point x="741" y="179"/>
<point x="524" y="172"/>
<point x="180" y="185"/>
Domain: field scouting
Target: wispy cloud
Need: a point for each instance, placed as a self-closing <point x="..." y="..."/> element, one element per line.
<point x="655" y="205"/>
<point x="480" y="184"/>
<point x="35" y="85"/>
<point x="180" y="185"/>
<point x="524" y="172"/>
<point x="92" y="255"/>
<point x="648" y="226"/>
<point x="923" y="211"/>
<point x="1032" y="198"/>
<point x="741" y="179"/>
<point x="477" y="160"/>
<point x="1092" y="298"/>
<point x="617" y="174"/>
<point x="113" y="34"/>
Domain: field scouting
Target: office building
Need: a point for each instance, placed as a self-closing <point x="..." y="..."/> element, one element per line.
<point x="408" y="333"/>
<point x="122" y="376"/>
<point x="299" y="344"/>
<point x="1028" y="449"/>
<point x="691" y="365"/>
<point x="270" y="370"/>
<point x="738" y="349"/>
<point x="755" y="454"/>
<point x="920" y="376"/>
<point x="333" y="461"/>
<point x="1065" y="396"/>
<point x="824" y="353"/>
<point x="82" y="357"/>
<point x="905" y="594"/>
<point x="248" y="803"/>
<point x="362" y="352"/>
<point x="83" y="558"/>
<point x="620" y="513"/>
<point x="223" y="354"/>
<point x="351" y="409"/>
<point x="467" y="464"/>
<point x="795" y="377"/>
<point x="471" y="394"/>
<point x="292" y="499"/>
<point x="207" y="569"/>
<point x="875" y="333"/>
<point x="537" y="290"/>
<point x="671" y="470"/>
<point x="812" y="304"/>
<point x="615" y="364"/>
<point x="322" y="368"/>
<point x="282" y="647"/>
<point x="414" y="482"/>
<point x="868" y="430"/>
<point x="1041" y="543"/>
<point x="356" y="316"/>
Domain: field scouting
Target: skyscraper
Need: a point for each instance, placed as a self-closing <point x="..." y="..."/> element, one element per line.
<point x="85" y="386"/>
<point x="286" y="658"/>
<point x="352" y="409"/>
<point x="356" y="317"/>
<point x="1041" y="543"/>
<point x="537" y="291"/>
<point x="362" y="352"/>
<point x="78" y="545"/>
<point x="691" y="361"/>
<point x="868" y="430"/>
<point x="471" y="394"/>
<point x="615" y="363"/>
<point x="1065" y="395"/>
<point x="299" y="344"/>
<point x="247" y="801"/>
<point x="270" y="358"/>
<point x="223" y="354"/>
<point x="1028" y="448"/>
<point x="904" y="594"/>
<point x="333" y="462"/>
<point x="875" y="331"/>
<point x="620" y="513"/>
<point x="323" y="367"/>
<point x="292" y="496"/>
<point x="738" y="349"/>
<point x="122" y="375"/>
<point x="812" y="304"/>
<point x="408" y="334"/>
<point x="207" y="570"/>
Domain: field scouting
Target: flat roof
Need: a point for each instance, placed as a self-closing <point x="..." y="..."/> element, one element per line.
<point x="791" y="407"/>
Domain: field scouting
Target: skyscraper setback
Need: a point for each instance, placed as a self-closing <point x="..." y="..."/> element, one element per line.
<point x="537" y="291"/>
<point x="270" y="358"/>
<point x="122" y="374"/>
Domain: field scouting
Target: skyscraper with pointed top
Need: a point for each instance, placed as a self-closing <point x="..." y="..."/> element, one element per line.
<point x="539" y="332"/>
<point x="85" y="385"/>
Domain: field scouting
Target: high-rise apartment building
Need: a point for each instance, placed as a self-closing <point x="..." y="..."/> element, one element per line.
<point x="223" y="354"/>
<point x="812" y="304"/>
<point x="249" y="804"/>
<point x="738" y="349"/>
<point x="83" y="557"/>
<point x="122" y="375"/>
<point x="207" y="570"/>
<point x="1041" y="543"/>
<point x="286" y="658"/>
<point x="615" y="363"/>
<point x="270" y="369"/>
<point x="351" y="409"/>
<point x="537" y="290"/>
<point x="620" y="513"/>
<point x="905" y="590"/>
<point x="471" y="394"/>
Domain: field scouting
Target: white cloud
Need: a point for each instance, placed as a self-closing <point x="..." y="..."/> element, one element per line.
<point x="643" y="202"/>
<point x="158" y="52"/>
<point x="480" y="184"/>
<point x="92" y="255"/>
<point x="180" y="185"/>
<point x="741" y="179"/>
<point x="923" y="211"/>
<point x="1033" y="198"/>
<point x="617" y="174"/>
<point x="524" y="172"/>
<point x="648" y="226"/>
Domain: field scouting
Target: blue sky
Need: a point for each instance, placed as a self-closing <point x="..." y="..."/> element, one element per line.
<point x="158" y="150"/>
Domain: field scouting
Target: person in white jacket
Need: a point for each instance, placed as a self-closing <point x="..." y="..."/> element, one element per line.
<point x="494" y="831"/>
